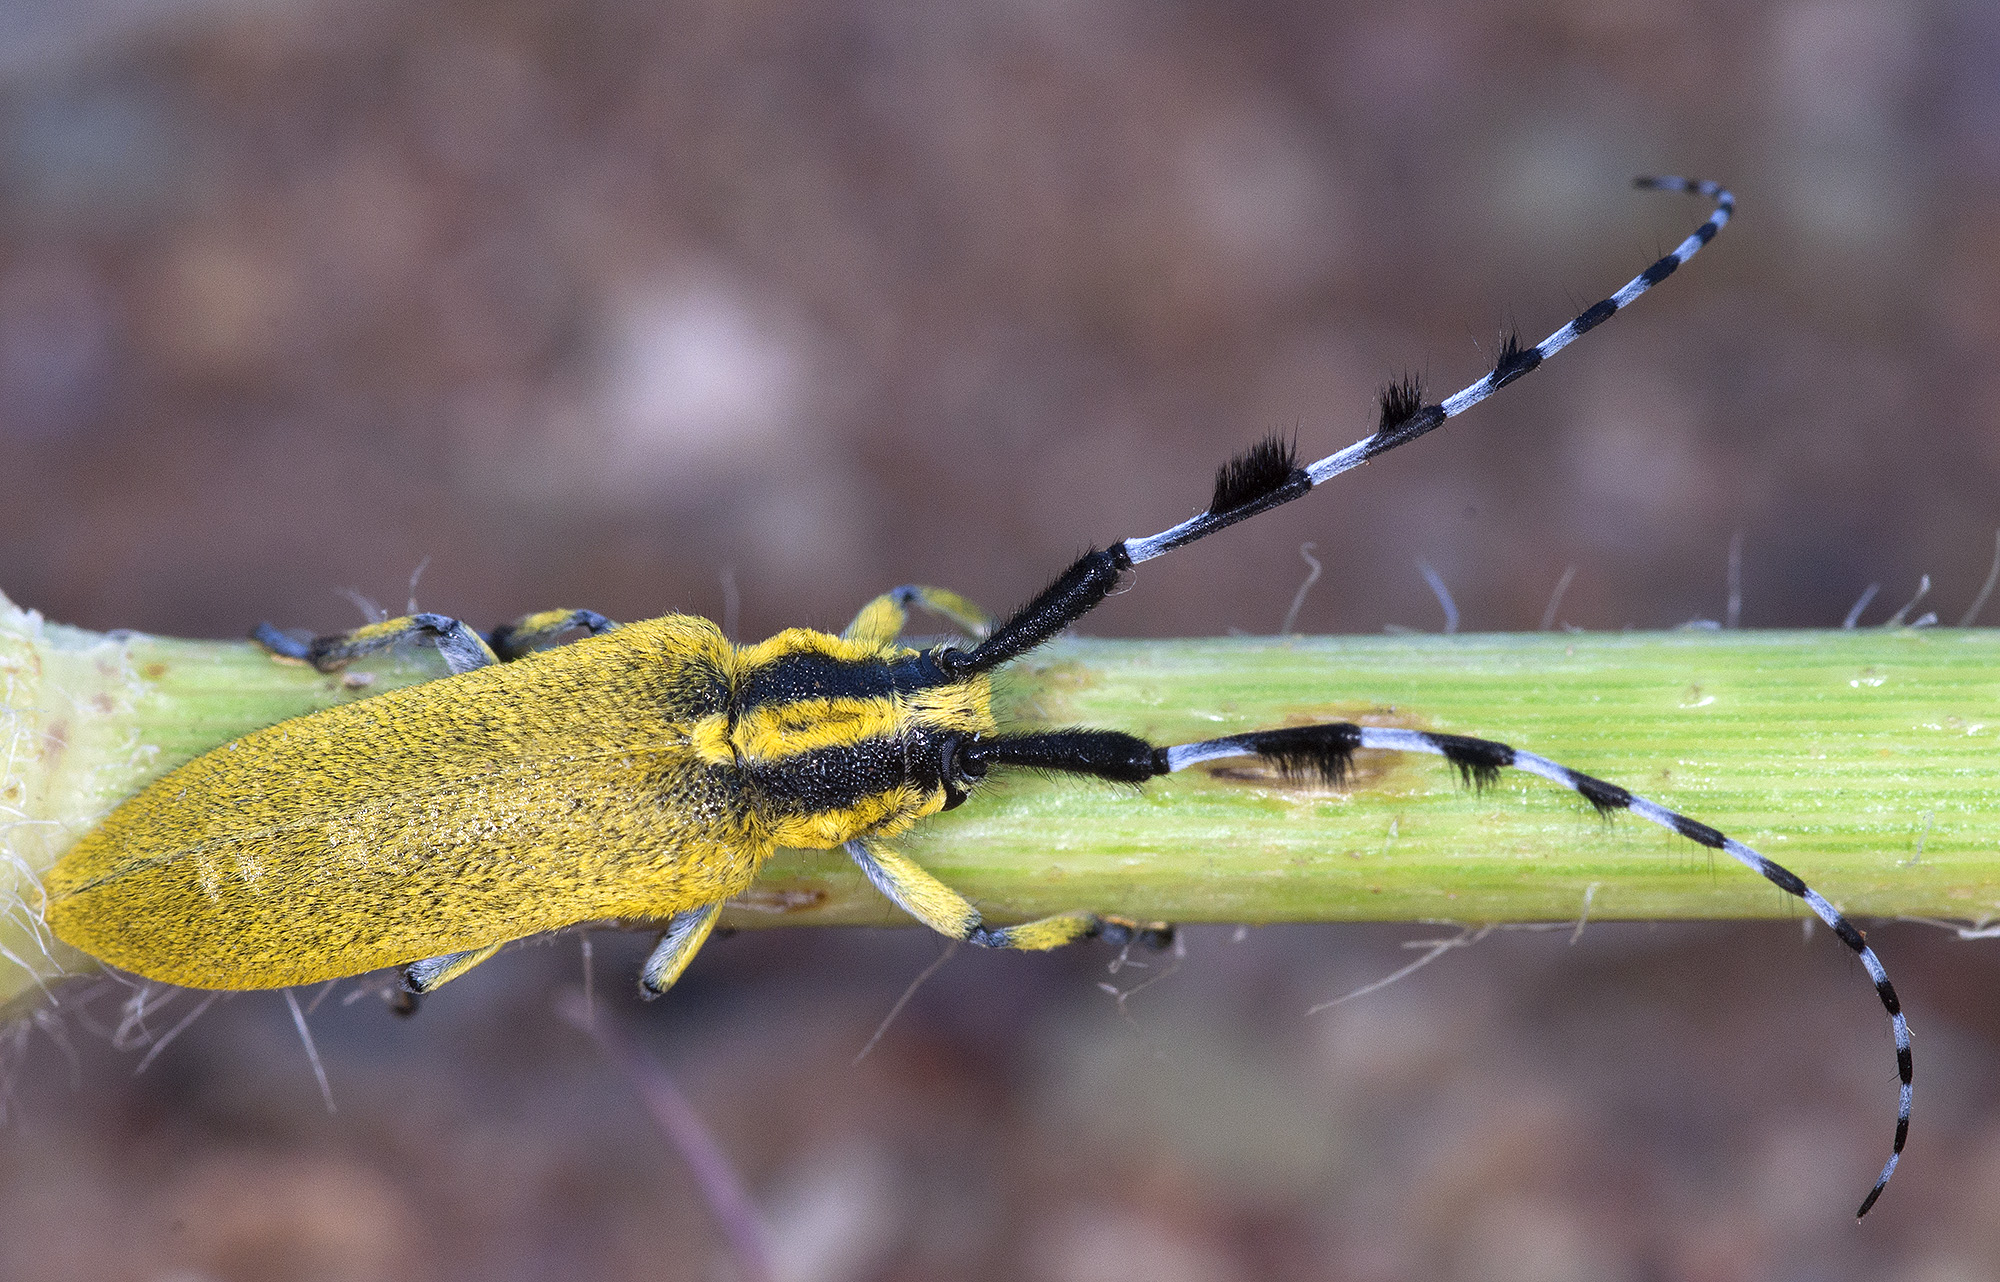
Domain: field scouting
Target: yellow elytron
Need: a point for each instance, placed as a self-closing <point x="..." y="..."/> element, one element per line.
<point x="646" y="772"/>
<point x="643" y="773"/>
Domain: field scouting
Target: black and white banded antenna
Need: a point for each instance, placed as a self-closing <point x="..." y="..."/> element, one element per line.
<point x="1405" y="416"/>
<point x="1325" y="753"/>
<point x="1268" y="475"/>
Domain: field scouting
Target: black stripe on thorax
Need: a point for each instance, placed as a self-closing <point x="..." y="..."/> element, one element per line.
<point x="829" y="779"/>
<point x="812" y="676"/>
<point x="820" y="676"/>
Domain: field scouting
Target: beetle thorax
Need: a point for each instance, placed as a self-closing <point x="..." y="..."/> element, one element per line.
<point x="837" y="740"/>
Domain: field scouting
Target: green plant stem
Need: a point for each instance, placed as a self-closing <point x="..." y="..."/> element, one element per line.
<point x="1866" y="761"/>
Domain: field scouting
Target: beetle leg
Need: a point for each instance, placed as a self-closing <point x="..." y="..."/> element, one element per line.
<point x="685" y="935"/>
<point x="881" y="620"/>
<point x="462" y="648"/>
<point x="946" y="911"/>
<point x="531" y="632"/>
<point x="433" y="972"/>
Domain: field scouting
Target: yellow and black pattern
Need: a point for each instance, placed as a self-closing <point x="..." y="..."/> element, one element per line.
<point x="436" y="819"/>
<point x="647" y="772"/>
<point x="643" y="773"/>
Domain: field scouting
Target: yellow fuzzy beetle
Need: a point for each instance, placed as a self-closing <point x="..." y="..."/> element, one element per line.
<point x="647" y="771"/>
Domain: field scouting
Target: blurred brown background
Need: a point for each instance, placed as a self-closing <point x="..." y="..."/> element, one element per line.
<point x="601" y="303"/>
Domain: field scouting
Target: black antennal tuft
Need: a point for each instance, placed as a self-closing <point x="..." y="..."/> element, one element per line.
<point x="1515" y="360"/>
<point x="1606" y="798"/>
<point x="1400" y="400"/>
<point x="1320" y="754"/>
<point x="1479" y="761"/>
<point x="1256" y="473"/>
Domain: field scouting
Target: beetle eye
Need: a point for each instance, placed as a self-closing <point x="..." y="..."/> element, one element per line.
<point x="963" y="759"/>
<point x="957" y="770"/>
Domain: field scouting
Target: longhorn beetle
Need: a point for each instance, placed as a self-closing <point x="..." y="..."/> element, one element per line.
<point x="646" y="772"/>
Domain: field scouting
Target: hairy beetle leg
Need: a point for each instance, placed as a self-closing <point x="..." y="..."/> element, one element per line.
<point x="881" y="621"/>
<point x="432" y="973"/>
<point x="532" y="632"/>
<point x="949" y="913"/>
<point x="1120" y="931"/>
<point x="684" y="937"/>
<point x="463" y="649"/>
